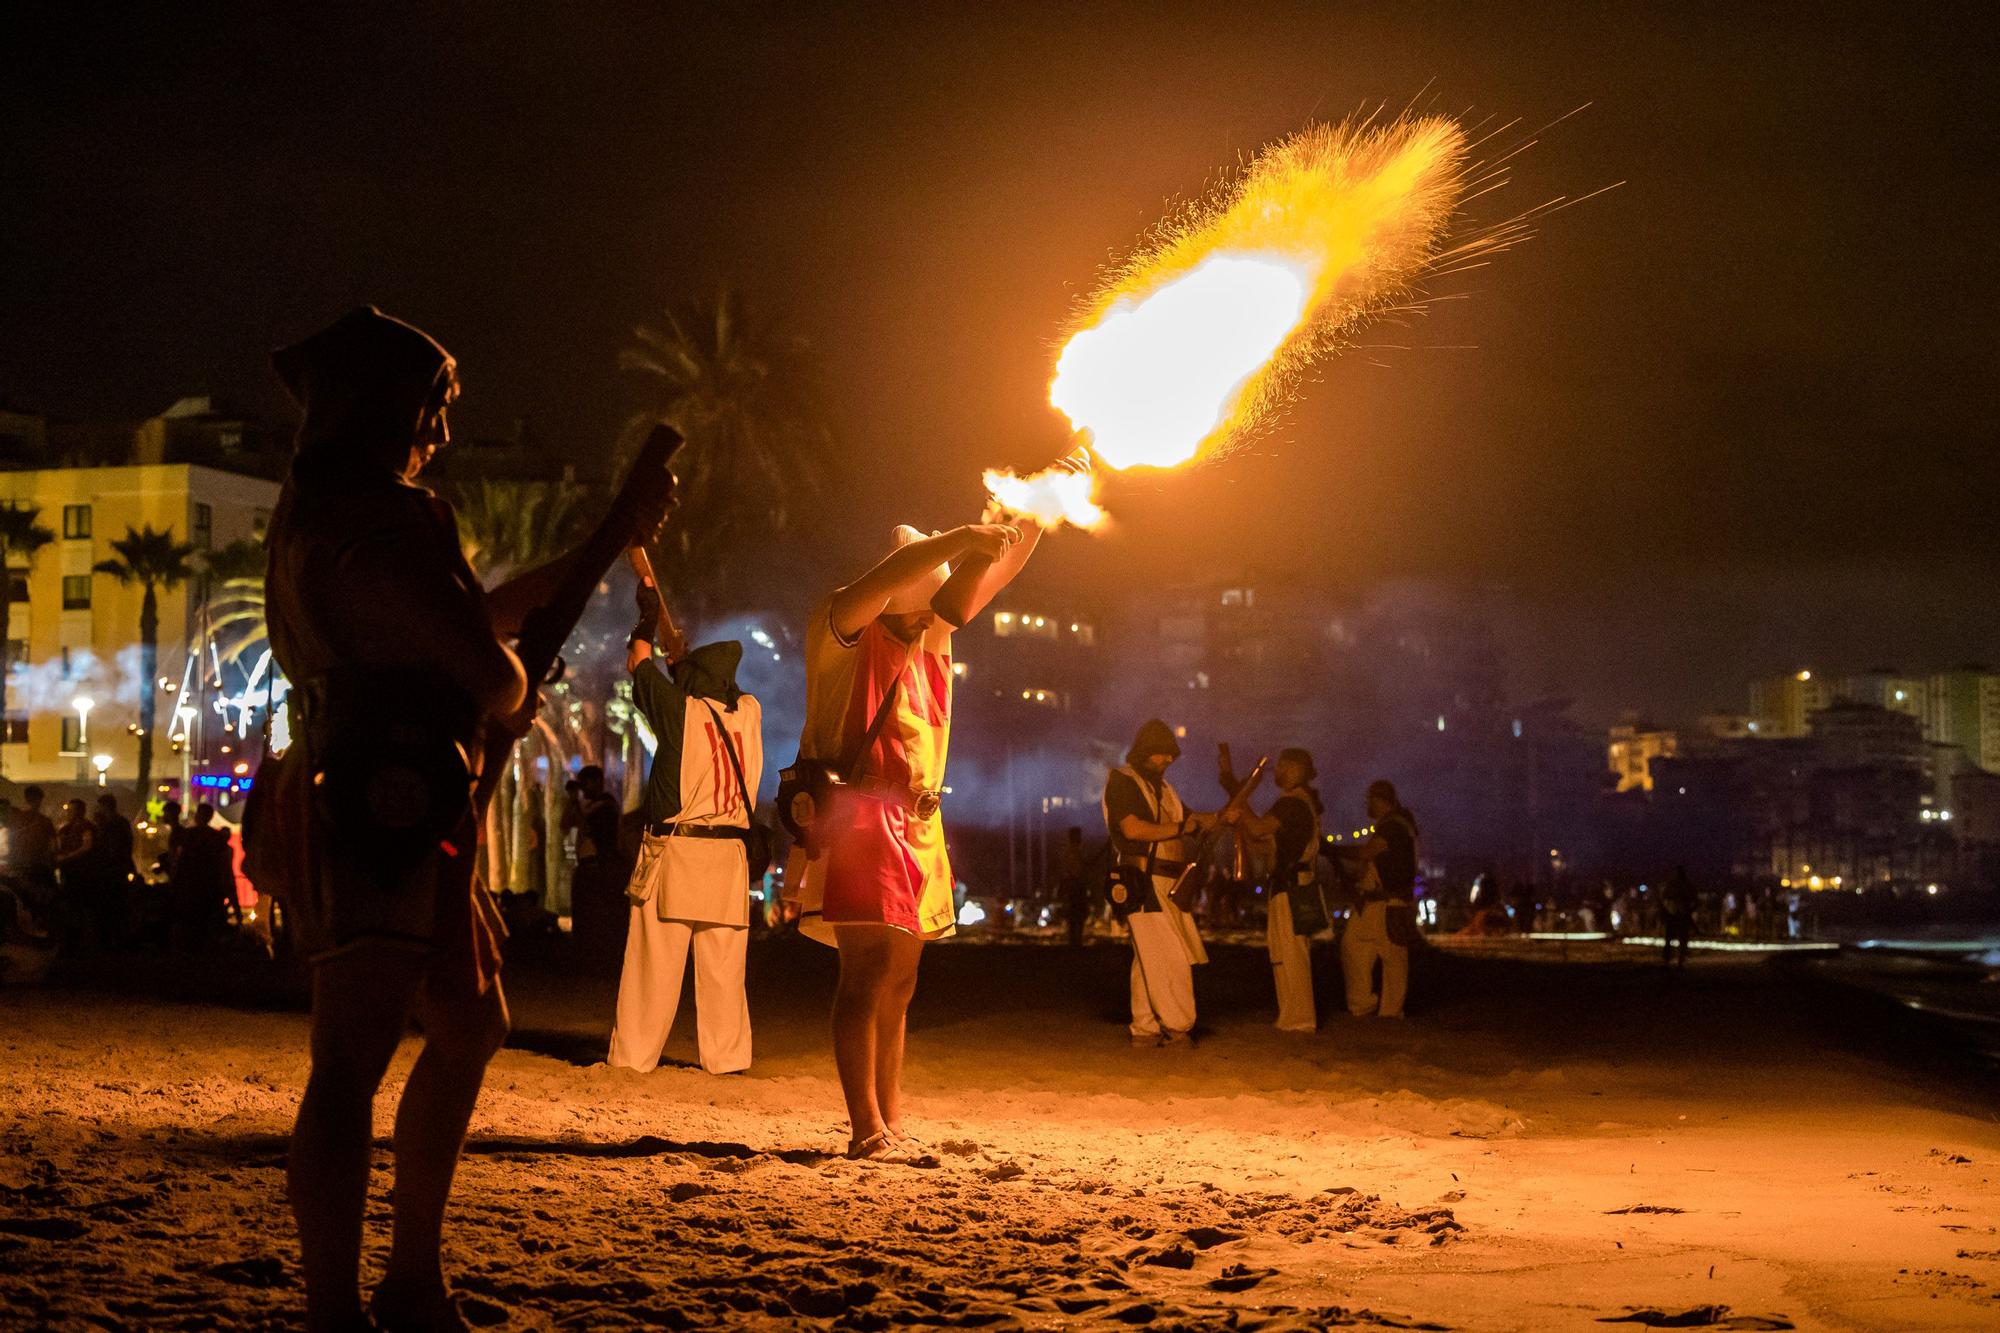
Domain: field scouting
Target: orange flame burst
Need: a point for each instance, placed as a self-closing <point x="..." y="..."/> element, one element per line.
<point x="1190" y="344"/>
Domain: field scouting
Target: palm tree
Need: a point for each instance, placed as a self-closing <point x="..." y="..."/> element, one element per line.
<point x="154" y="561"/>
<point x="504" y="528"/>
<point x="21" y="533"/>
<point x="242" y="559"/>
<point x="747" y="398"/>
<point x="509" y="526"/>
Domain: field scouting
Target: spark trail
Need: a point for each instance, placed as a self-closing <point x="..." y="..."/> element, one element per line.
<point x="1191" y="344"/>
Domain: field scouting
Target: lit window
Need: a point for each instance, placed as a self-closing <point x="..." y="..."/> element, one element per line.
<point x="1008" y="624"/>
<point x="76" y="522"/>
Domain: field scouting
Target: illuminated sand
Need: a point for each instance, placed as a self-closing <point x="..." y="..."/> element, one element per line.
<point x="1487" y="1165"/>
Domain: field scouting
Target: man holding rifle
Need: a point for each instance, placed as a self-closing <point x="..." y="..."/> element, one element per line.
<point x="366" y="826"/>
<point x="691" y="888"/>
<point x="1150" y="831"/>
<point x="874" y="879"/>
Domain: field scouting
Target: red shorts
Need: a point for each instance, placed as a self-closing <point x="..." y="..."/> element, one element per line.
<point x="872" y="877"/>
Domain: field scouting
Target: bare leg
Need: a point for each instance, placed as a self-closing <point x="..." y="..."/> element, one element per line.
<point x="865" y="962"/>
<point x="360" y="1002"/>
<point x="461" y="1033"/>
<point x="891" y="1024"/>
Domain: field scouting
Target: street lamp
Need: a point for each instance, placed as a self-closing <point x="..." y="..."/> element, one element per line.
<point x="83" y="703"/>
<point x="102" y="763"/>
<point x="184" y="714"/>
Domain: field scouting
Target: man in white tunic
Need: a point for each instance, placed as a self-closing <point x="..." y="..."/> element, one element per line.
<point x="691" y="887"/>
<point x="1148" y="825"/>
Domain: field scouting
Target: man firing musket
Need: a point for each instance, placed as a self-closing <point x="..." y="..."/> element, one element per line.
<point x="1149" y="830"/>
<point x="689" y="892"/>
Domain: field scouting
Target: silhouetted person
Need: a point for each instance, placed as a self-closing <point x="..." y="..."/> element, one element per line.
<point x="1073" y="883"/>
<point x="381" y="625"/>
<point x="112" y="834"/>
<point x="1676" y="916"/>
<point x="31" y="855"/>
<point x="597" y="891"/>
<point x="202" y="884"/>
<point x="76" y="862"/>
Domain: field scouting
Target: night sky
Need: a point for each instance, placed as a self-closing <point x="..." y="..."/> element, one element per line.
<point x="1735" y="416"/>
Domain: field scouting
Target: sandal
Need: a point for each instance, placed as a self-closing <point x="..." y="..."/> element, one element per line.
<point x="873" y="1148"/>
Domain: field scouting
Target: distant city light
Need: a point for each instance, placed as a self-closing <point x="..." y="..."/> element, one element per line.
<point x="1805" y="675"/>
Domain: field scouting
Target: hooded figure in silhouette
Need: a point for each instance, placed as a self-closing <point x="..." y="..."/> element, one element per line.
<point x="393" y="650"/>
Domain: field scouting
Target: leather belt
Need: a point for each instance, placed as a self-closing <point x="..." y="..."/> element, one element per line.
<point x="1156" y="865"/>
<point x="694" y="831"/>
<point x="919" y="801"/>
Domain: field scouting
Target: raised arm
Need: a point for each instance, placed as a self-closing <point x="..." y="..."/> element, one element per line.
<point x="866" y="598"/>
<point x="977" y="580"/>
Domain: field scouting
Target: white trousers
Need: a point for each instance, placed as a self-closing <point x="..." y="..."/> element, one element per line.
<point x="649" y="991"/>
<point x="1364" y="943"/>
<point x="1162" y="978"/>
<point x="1291" y="968"/>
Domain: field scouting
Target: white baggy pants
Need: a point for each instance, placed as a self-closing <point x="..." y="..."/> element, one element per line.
<point x="1291" y="968"/>
<point x="649" y="991"/>
<point x="1162" y="977"/>
<point x="1364" y="943"/>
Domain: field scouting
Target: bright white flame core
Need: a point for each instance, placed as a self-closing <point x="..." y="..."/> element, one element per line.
<point x="1156" y="377"/>
<point x="1055" y="496"/>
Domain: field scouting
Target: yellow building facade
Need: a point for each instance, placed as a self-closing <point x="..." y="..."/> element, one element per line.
<point x="74" y="687"/>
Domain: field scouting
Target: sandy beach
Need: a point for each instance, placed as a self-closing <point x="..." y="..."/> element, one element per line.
<point x="1543" y="1144"/>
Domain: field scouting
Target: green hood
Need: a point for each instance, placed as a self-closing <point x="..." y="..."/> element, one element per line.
<point x="709" y="672"/>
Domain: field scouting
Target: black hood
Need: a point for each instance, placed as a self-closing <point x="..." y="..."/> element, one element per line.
<point x="1155" y="737"/>
<point x="364" y="383"/>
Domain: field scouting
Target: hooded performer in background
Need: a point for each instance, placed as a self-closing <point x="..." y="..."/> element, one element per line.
<point x="873" y="878"/>
<point x="691" y="887"/>
<point x="1149" y="828"/>
<point x="393" y="649"/>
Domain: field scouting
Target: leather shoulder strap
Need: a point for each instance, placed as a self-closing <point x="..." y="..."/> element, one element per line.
<point x="859" y="750"/>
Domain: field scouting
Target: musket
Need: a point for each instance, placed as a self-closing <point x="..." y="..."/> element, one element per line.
<point x="1182" y="893"/>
